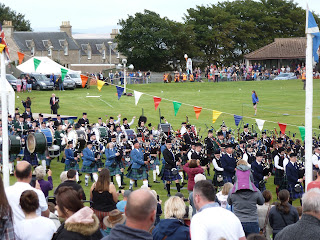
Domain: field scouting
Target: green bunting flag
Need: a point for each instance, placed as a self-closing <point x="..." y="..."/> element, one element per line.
<point x="302" y="132"/>
<point x="36" y="63"/>
<point x="176" y="106"/>
<point x="63" y="73"/>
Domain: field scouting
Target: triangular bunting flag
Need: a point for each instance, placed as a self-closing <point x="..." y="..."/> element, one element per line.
<point x="176" y="106"/>
<point x="302" y="132"/>
<point x="36" y="63"/>
<point x="197" y="111"/>
<point x="84" y="80"/>
<point x="2" y="46"/>
<point x="157" y="101"/>
<point x="237" y="119"/>
<point x="21" y="57"/>
<point x="260" y="123"/>
<point x="282" y="127"/>
<point x="137" y="96"/>
<point x="215" y="115"/>
<point x="119" y="91"/>
<point x="63" y="73"/>
<point x="99" y="84"/>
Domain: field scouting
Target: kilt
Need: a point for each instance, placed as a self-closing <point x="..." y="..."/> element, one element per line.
<point x="67" y="167"/>
<point x="293" y="194"/>
<point x="12" y="157"/>
<point x="154" y="164"/>
<point x="88" y="169"/>
<point x="261" y="188"/>
<point x="278" y="177"/>
<point x="114" y="171"/>
<point x="168" y="176"/>
<point x="134" y="175"/>
<point x="215" y="181"/>
<point x="227" y="179"/>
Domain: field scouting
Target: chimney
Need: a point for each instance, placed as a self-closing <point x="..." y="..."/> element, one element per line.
<point x="7" y="28"/>
<point x="114" y="33"/>
<point x="66" y="27"/>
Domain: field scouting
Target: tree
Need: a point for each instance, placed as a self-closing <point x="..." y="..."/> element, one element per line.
<point x="18" y="20"/>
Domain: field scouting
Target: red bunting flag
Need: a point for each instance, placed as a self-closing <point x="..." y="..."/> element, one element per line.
<point x="283" y="127"/>
<point x="20" y="56"/>
<point x="197" y="111"/>
<point x="84" y="80"/>
<point x="157" y="101"/>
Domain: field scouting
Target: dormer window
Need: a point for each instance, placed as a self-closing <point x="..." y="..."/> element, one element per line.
<point x="89" y="53"/>
<point x="65" y="50"/>
<point x="103" y="54"/>
<point x="49" y="52"/>
<point x="32" y="51"/>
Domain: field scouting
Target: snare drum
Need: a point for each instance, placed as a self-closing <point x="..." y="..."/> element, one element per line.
<point x="36" y="142"/>
<point x="14" y="144"/>
<point x="54" y="151"/>
<point x="79" y="138"/>
<point x="49" y="136"/>
<point x="100" y="132"/>
<point x="131" y="135"/>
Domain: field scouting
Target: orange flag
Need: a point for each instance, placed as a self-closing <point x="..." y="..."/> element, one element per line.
<point x="197" y="111"/>
<point x="21" y="57"/>
<point x="84" y="80"/>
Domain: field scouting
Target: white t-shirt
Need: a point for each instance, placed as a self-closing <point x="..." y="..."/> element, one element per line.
<point x="215" y="223"/>
<point x="40" y="228"/>
<point x="14" y="193"/>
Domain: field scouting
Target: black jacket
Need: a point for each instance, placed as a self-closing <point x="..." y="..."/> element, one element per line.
<point x="74" y="185"/>
<point x="169" y="158"/>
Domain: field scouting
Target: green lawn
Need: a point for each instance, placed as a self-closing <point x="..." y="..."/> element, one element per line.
<point x="280" y="101"/>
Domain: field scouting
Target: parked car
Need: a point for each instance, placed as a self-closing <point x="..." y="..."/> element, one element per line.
<point x="39" y="81"/>
<point x="12" y="80"/>
<point x="285" y="76"/>
<point x="67" y="83"/>
<point x="75" y="77"/>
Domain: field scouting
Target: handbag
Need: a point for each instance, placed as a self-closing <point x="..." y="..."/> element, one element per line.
<point x="264" y="229"/>
<point x="174" y="171"/>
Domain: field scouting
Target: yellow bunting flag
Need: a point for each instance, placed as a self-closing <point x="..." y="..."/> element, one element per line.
<point x="2" y="46"/>
<point x="100" y="84"/>
<point x="215" y="115"/>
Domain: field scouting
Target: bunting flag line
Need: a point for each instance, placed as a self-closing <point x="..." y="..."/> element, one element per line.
<point x="176" y="106"/>
<point x="119" y="90"/>
<point x="21" y="57"/>
<point x="84" y="80"/>
<point x="215" y="115"/>
<point x="157" y="101"/>
<point x="260" y="123"/>
<point x="197" y="111"/>
<point x="2" y="46"/>
<point x="99" y="84"/>
<point x="283" y="127"/>
<point x="302" y="132"/>
<point x="36" y="63"/>
<point x="237" y="119"/>
<point x="137" y="96"/>
<point x="63" y="73"/>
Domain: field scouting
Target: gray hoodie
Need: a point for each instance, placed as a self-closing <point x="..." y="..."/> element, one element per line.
<point x="121" y="231"/>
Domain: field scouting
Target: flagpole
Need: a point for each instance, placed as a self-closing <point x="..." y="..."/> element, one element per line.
<point x="4" y="108"/>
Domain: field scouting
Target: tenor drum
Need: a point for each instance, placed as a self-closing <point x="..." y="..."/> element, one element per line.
<point x="36" y="142"/>
<point x="14" y="144"/>
<point x="79" y="138"/>
<point x="131" y="135"/>
<point x="49" y="136"/>
<point x="100" y="132"/>
<point x="54" y="151"/>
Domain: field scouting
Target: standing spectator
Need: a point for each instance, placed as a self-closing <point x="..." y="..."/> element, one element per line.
<point x="88" y="81"/>
<point x="18" y="84"/>
<point x="60" y="82"/>
<point x="197" y="178"/>
<point x="24" y="84"/>
<point x="283" y="214"/>
<point x="255" y="101"/>
<point x="45" y="186"/>
<point x="53" y="78"/>
<point x="315" y="183"/>
<point x="122" y="204"/>
<point x="54" y="104"/>
<point x="308" y="227"/>
<point x="6" y="223"/>
<point x="26" y="103"/>
<point x="111" y="76"/>
<point x="23" y="174"/>
<point x="141" y="213"/>
<point x="192" y="168"/>
<point x="172" y="227"/>
<point x="33" y="227"/>
<point x="206" y="227"/>
<point x="263" y="214"/>
<point x="29" y="83"/>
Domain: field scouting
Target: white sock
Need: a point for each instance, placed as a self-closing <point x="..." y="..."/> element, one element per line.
<point x="95" y="177"/>
<point x="118" y="179"/>
<point x="131" y="183"/>
<point x="44" y="164"/>
<point x="154" y="175"/>
<point x="145" y="183"/>
<point x="181" y="175"/>
<point x="11" y="167"/>
<point x="86" y="179"/>
<point x="77" y="177"/>
<point x="158" y="169"/>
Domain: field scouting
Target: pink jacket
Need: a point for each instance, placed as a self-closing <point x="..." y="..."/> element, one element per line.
<point x="191" y="173"/>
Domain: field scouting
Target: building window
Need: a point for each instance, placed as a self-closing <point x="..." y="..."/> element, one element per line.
<point x="103" y="54"/>
<point x="49" y="52"/>
<point x="32" y="51"/>
<point x="65" y="49"/>
<point x="89" y="53"/>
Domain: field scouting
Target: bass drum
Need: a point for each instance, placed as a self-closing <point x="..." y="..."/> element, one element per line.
<point x="54" y="151"/>
<point x="36" y="142"/>
<point x="49" y="136"/>
<point x="14" y="144"/>
<point x="100" y="132"/>
<point x="79" y="138"/>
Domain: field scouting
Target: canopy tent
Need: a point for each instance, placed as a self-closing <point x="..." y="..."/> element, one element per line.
<point x="46" y="66"/>
<point x="11" y="99"/>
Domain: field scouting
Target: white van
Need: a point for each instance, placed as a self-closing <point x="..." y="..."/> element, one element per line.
<point x="75" y="77"/>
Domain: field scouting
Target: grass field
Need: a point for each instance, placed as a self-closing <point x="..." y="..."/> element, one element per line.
<point x="280" y="101"/>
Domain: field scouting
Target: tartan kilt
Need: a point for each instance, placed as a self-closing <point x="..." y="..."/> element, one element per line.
<point x="168" y="176"/>
<point x="88" y="169"/>
<point x="154" y="164"/>
<point x="293" y="194"/>
<point x="134" y="175"/>
<point x="278" y="177"/>
<point x="114" y="171"/>
<point x="215" y="181"/>
<point x="67" y="167"/>
<point x="12" y="157"/>
<point x="227" y="179"/>
<point x="161" y="171"/>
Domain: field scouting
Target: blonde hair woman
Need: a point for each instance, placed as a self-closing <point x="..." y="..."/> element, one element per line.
<point x="223" y="195"/>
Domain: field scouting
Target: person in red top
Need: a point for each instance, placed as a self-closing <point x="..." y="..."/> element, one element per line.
<point x="192" y="168"/>
<point x="315" y="183"/>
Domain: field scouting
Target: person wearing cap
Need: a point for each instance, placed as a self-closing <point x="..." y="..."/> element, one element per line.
<point x="115" y="217"/>
<point x="89" y="163"/>
<point x="294" y="180"/>
<point x="125" y="124"/>
<point x="257" y="172"/>
<point x="211" y="144"/>
<point x="112" y="122"/>
<point x="58" y="135"/>
<point x="113" y="164"/>
<point x="316" y="158"/>
<point x="84" y="121"/>
<point x="279" y="178"/>
<point x="100" y="123"/>
<point x="20" y="126"/>
<point x="220" y="138"/>
<point x="224" y="129"/>
<point x="122" y="204"/>
<point x="245" y="134"/>
<point x="197" y="155"/>
<point x="228" y="163"/>
<point x="191" y="150"/>
<point x="72" y="159"/>
<point x="183" y="128"/>
<point x="218" y="170"/>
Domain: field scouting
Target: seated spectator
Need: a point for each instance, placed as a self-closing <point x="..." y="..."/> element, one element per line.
<point x="45" y="186"/>
<point x="192" y="168"/>
<point x="159" y="208"/>
<point x="80" y="221"/>
<point x="72" y="182"/>
<point x="103" y="195"/>
<point x="141" y="213"/>
<point x="299" y="210"/>
<point x="122" y="204"/>
<point x="63" y="176"/>
<point x="263" y="214"/>
<point x="33" y="227"/>
<point x="223" y="195"/>
<point x="115" y="217"/>
<point x="315" y="183"/>
<point x="197" y="178"/>
<point x="283" y="214"/>
<point x="172" y="227"/>
<point x="52" y="215"/>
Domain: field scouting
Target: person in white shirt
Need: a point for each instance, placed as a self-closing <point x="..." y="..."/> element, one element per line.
<point x="316" y="158"/>
<point x="33" y="227"/>
<point x="23" y="173"/>
<point x="212" y="222"/>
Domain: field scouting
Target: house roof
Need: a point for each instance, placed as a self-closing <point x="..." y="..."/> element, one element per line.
<point x="39" y="38"/>
<point x="96" y="45"/>
<point x="281" y="48"/>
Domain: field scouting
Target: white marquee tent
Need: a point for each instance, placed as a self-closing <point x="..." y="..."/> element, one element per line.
<point x="10" y="99"/>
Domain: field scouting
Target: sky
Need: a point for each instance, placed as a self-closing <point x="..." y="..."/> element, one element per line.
<point x="101" y="16"/>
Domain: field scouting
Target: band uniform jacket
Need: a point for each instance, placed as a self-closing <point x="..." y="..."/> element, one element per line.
<point x="169" y="158"/>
